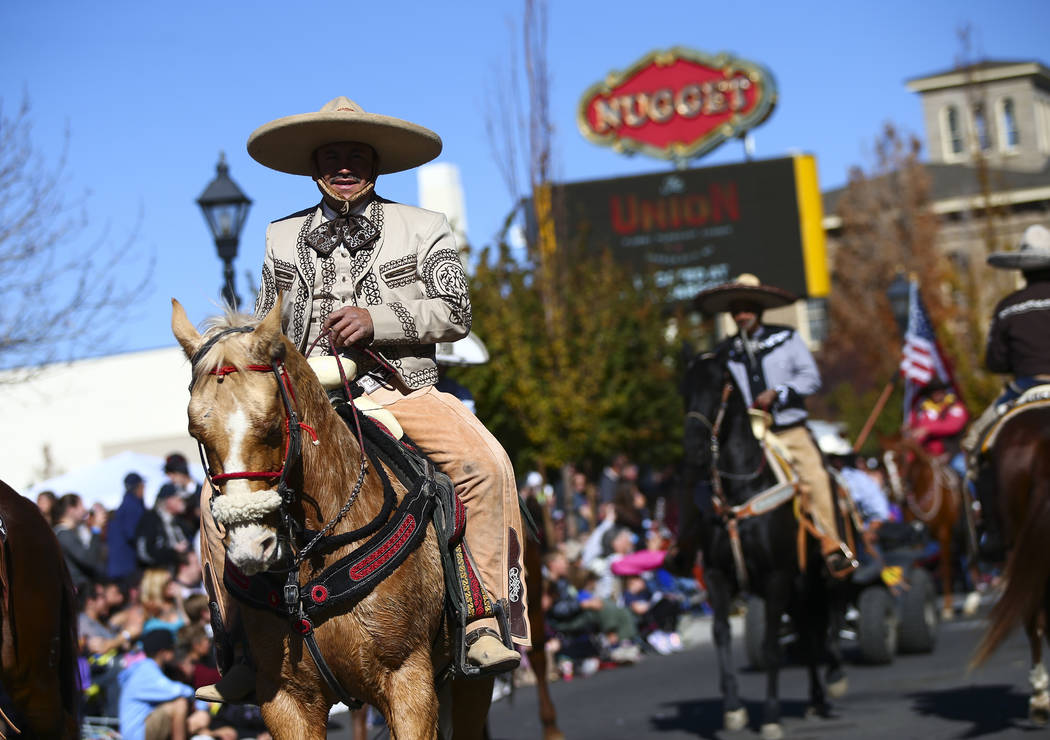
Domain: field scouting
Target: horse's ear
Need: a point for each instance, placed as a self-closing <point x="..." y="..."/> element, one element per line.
<point x="269" y="332"/>
<point x="184" y="331"/>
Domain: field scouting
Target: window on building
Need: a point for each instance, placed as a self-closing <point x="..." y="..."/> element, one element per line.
<point x="980" y="126"/>
<point x="1009" y="136"/>
<point x="953" y="138"/>
<point x="817" y="314"/>
<point x="1042" y="124"/>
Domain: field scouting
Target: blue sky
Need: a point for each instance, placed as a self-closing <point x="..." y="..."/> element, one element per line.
<point x="151" y="92"/>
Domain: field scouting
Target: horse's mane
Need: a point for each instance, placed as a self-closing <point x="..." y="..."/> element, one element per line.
<point x="228" y="351"/>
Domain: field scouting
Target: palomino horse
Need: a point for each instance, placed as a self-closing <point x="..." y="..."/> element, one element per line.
<point x="253" y="400"/>
<point x="933" y="494"/>
<point x="1015" y="477"/>
<point x="747" y="550"/>
<point x="39" y="681"/>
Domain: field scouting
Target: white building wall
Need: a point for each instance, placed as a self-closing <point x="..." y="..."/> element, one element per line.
<point x="92" y="409"/>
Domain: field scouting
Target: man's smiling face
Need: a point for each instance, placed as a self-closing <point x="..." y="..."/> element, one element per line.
<point x="345" y="166"/>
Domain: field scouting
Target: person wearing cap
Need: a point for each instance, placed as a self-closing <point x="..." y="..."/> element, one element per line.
<point x="121" y="562"/>
<point x="775" y="372"/>
<point x="356" y="270"/>
<point x="183" y="485"/>
<point x="153" y="706"/>
<point x="1018" y="340"/>
<point x="937" y="420"/>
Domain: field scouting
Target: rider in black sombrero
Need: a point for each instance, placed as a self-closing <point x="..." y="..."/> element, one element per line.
<point x="1018" y="340"/>
<point x="775" y="371"/>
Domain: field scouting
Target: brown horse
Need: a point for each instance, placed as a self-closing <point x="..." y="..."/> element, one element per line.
<point x="250" y="395"/>
<point x="1015" y="478"/>
<point x="932" y="493"/>
<point x="39" y="681"/>
<point x="538" y="621"/>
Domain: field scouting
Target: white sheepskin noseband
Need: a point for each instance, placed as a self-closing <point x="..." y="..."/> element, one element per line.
<point x="245" y="507"/>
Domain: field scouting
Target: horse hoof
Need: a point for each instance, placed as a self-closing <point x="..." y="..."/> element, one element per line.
<point x="1039" y="709"/>
<point x="838" y="689"/>
<point x="973" y="600"/>
<point x="947" y="614"/>
<point x="813" y="711"/>
<point x="772" y="731"/>
<point x="735" y="720"/>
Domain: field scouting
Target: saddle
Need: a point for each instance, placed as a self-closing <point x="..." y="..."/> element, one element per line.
<point x="388" y="540"/>
<point x="1035" y="397"/>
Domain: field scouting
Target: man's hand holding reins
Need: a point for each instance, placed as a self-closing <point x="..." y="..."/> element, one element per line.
<point x="765" y="399"/>
<point x="350" y="325"/>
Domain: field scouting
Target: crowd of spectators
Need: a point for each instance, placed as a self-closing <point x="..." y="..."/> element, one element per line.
<point x="144" y="624"/>
<point x="607" y="600"/>
<point x="144" y="621"/>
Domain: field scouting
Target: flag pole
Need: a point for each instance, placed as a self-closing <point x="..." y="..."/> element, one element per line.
<point x="875" y="413"/>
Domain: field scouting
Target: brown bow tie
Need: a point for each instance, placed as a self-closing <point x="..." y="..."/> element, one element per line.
<point x="353" y="232"/>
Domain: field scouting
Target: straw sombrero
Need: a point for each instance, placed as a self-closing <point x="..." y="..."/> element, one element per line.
<point x="288" y="144"/>
<point x="1033" y="254"/>
<point x="747" y="288"/>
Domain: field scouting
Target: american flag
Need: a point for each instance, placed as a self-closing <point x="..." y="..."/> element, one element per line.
<point x="922" y="360"/>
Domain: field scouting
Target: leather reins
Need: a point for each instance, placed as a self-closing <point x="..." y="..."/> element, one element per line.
<point x="761" y="503"/>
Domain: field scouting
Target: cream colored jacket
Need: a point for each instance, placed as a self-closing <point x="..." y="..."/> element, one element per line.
<point x="410" y="279"/>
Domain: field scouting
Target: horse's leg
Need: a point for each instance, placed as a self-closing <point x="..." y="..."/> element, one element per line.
<point x="470" y="708"/>
<point x="834" y="675"/>
<point x="735" y="715"/>
<point x="811" y="619"/>
<point x="1039" y="702"/>
<point x="287" y="719"/>
<point x="412" y="704"/>
<point x="538" y="652"/>
<point x="538" y="661"/>
<point x="778" y="596"/>
<point x="944" y="539"/>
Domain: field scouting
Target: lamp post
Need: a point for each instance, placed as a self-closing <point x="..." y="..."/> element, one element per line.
<point x="225" y="209"/>
<point x="899" y="295"/>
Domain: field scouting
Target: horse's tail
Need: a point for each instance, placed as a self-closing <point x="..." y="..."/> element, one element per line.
<point x="1027" y="571"/>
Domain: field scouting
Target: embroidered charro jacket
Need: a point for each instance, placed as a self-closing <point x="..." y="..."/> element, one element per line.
<point x="408" y="276"/>
<point x="780" y="360"/>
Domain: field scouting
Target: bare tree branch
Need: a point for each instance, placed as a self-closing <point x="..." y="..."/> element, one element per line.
<point x="61" y="299"/>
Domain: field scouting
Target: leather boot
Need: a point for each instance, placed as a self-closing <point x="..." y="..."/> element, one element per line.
<point x="486" y="650"/>
<point x="840" y="561"/>
<point x="236" y="687"/>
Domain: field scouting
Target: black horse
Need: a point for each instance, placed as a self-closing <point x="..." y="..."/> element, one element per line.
<point x="725" y="467"/>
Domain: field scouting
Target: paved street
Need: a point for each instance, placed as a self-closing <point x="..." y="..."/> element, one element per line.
<point x="676" y="697"/>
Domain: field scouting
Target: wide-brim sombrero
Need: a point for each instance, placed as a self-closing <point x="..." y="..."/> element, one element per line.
<point x="1033" y="254"/>
<point x="746" y="288"/>
<point x="288" y="144"/>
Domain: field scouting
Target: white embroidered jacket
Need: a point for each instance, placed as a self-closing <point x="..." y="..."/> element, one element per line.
<point x="410" y="279"/>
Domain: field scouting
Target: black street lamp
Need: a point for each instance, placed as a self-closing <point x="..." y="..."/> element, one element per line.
<point x="225" y="209"/>
<point x="899" y="295"/>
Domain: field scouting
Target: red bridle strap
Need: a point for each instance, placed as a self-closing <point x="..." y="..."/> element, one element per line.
<point x="225" y="370"/>
<point x="244" y="476"/>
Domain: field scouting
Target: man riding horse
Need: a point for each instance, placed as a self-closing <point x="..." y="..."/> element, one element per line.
<point x="1019" y="346"/>
<point x="356" y="271"/>
<point x="775" y="371"/>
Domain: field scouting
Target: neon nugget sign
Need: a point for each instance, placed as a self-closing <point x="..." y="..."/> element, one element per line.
<point x="677" y="104"/>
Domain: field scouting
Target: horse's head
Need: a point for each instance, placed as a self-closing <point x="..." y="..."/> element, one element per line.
<point x="907" y="464"/>
<point x="237" y="413"/>
<point x="709" y="395"/>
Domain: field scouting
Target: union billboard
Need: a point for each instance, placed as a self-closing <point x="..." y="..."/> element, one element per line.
<point x="700" y="227"/>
